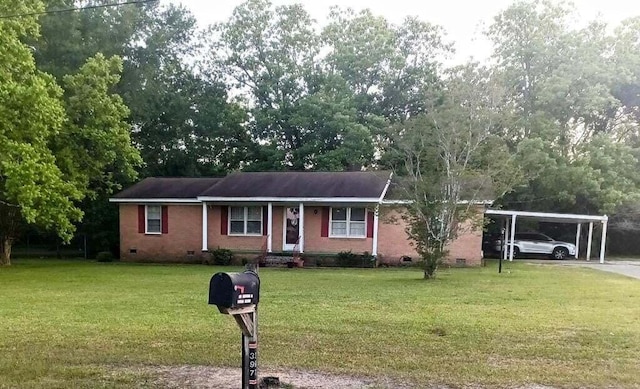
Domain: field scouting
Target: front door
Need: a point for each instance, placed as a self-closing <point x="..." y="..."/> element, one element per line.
<point x="291" y="228"/>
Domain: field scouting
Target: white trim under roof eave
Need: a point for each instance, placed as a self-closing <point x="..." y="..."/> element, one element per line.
<point x="164" y="200"/>
<point x="290" y="199"/>
<point x="386" y="188"/>
<point x="404" y="202"/>
<point x="560" y="216"/>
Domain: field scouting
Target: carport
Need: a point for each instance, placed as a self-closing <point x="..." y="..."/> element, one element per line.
<point x="512" y="217"/>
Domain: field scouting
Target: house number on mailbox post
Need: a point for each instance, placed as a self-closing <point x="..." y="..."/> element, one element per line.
<point x="238" y="294"/>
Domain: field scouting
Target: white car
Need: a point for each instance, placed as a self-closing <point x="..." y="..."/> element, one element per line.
<point x="536" y="243"/>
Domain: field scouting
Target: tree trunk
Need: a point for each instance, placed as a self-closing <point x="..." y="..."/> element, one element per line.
<point x="9" y="230"/>
<point x="5" y="251"/>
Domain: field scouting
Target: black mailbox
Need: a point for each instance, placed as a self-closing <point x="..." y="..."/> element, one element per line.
<point x="234" y="290"/>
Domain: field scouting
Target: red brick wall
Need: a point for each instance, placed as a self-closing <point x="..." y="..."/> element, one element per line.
<point x="185" y="234"/>
<point x="393" y="242"/>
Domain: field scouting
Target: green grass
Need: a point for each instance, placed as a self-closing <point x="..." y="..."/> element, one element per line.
<point x="83" y="324"/>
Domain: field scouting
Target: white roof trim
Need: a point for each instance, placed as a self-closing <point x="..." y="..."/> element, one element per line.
<point x="396" y="202"/>
<point x="165" y="200"/>
<point x="386" y="188"/>
<point x="544" y="215"/>
<point x="292" y="199"/>
<point x="461" y="202"/>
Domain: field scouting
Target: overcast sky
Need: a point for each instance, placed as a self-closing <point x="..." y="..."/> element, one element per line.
<point x="462" y="19"/>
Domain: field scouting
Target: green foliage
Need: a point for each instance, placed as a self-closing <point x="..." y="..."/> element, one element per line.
<point x="31" y="115"/>
<point x="57" y="146"/>
<point x="574" y="121"/>
<point x="219" y="257"/>
<point x="449" y="159"/>
<point x="320" y="101"/>
<point x="350" y="259"/>
<point x="95" y="149"/>
<point x="104" y="256"/>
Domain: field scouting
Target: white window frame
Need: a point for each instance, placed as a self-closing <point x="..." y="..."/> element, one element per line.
<point x="146" y="220"/>
<point x="245" y="220"/>
<point x="332" y="235"/>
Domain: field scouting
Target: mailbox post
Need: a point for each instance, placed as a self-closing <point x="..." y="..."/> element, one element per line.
<point x="238" y="294"/>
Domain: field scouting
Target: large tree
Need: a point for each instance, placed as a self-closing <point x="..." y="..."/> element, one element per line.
<point x="57" y="145"/>
<point x="182" y="123"/>
<point x="269" y="54"/>
<point x="571" y="94"/>
<point x="321" y="99"/>
<point x="390" y="69"/>
<point x="449" y="161"/>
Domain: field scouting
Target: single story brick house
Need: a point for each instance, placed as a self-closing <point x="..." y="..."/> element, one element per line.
<point x="181" y="219"/>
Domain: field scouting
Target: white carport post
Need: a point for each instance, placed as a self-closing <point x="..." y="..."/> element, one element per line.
<point x="374" y="248"/>
<point x="578" y="240"/>
<point x="603" y="243"/>
<point x="205" y="243"/>
<point x="505" y="240"/>
<point x="513" y="234"/>
<point x="589" y="241"/>
<point x="301" y="227"/>
<point x="270" y="227"/>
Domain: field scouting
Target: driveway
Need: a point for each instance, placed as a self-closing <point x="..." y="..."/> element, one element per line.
<point x="626" y="268"/>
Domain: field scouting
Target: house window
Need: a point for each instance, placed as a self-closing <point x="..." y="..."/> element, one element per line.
<point x="154" y="219"/>
<point x="245" y="220"/>
<point x="348" y="222"/>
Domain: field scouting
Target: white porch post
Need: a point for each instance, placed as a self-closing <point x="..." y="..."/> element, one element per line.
<point x="505" y="239"/>
<point x="603" y="243"/>
<point x="270" y="227"/>
<point x="589" y="240"/>
<point x="301" y="221"/>
<point x="374" y="249"/>
<point x="513" y="234"/>
<point x="205" y="228"/>
<point x="578" y="240"/>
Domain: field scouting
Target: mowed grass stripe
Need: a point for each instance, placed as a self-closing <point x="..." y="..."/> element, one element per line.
<point x="71" y="321"/>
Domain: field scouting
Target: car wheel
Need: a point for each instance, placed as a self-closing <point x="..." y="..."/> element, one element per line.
<point x="516" y="251"/>
<point x="560" y="253"/>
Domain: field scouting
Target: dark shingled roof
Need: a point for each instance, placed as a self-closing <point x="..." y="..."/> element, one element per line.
<point x="263" y="184"/>
<point x="301" y="184"/>
<point x="168" y="188"/>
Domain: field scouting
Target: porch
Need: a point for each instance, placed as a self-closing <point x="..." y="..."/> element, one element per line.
<point x="287" y="227"/>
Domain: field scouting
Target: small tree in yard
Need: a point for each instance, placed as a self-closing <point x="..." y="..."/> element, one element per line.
<point x="449" y="160"/>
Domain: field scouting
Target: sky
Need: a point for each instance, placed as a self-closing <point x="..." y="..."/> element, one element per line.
<point x="463" y="20"/>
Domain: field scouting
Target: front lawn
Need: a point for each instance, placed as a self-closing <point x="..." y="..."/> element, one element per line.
<point x="78" y="324"/>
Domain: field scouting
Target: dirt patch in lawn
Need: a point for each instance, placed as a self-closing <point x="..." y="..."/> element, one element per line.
<point x="207" y="377"/>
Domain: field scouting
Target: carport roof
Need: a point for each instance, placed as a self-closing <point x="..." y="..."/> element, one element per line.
<point x="547" y="216"/>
